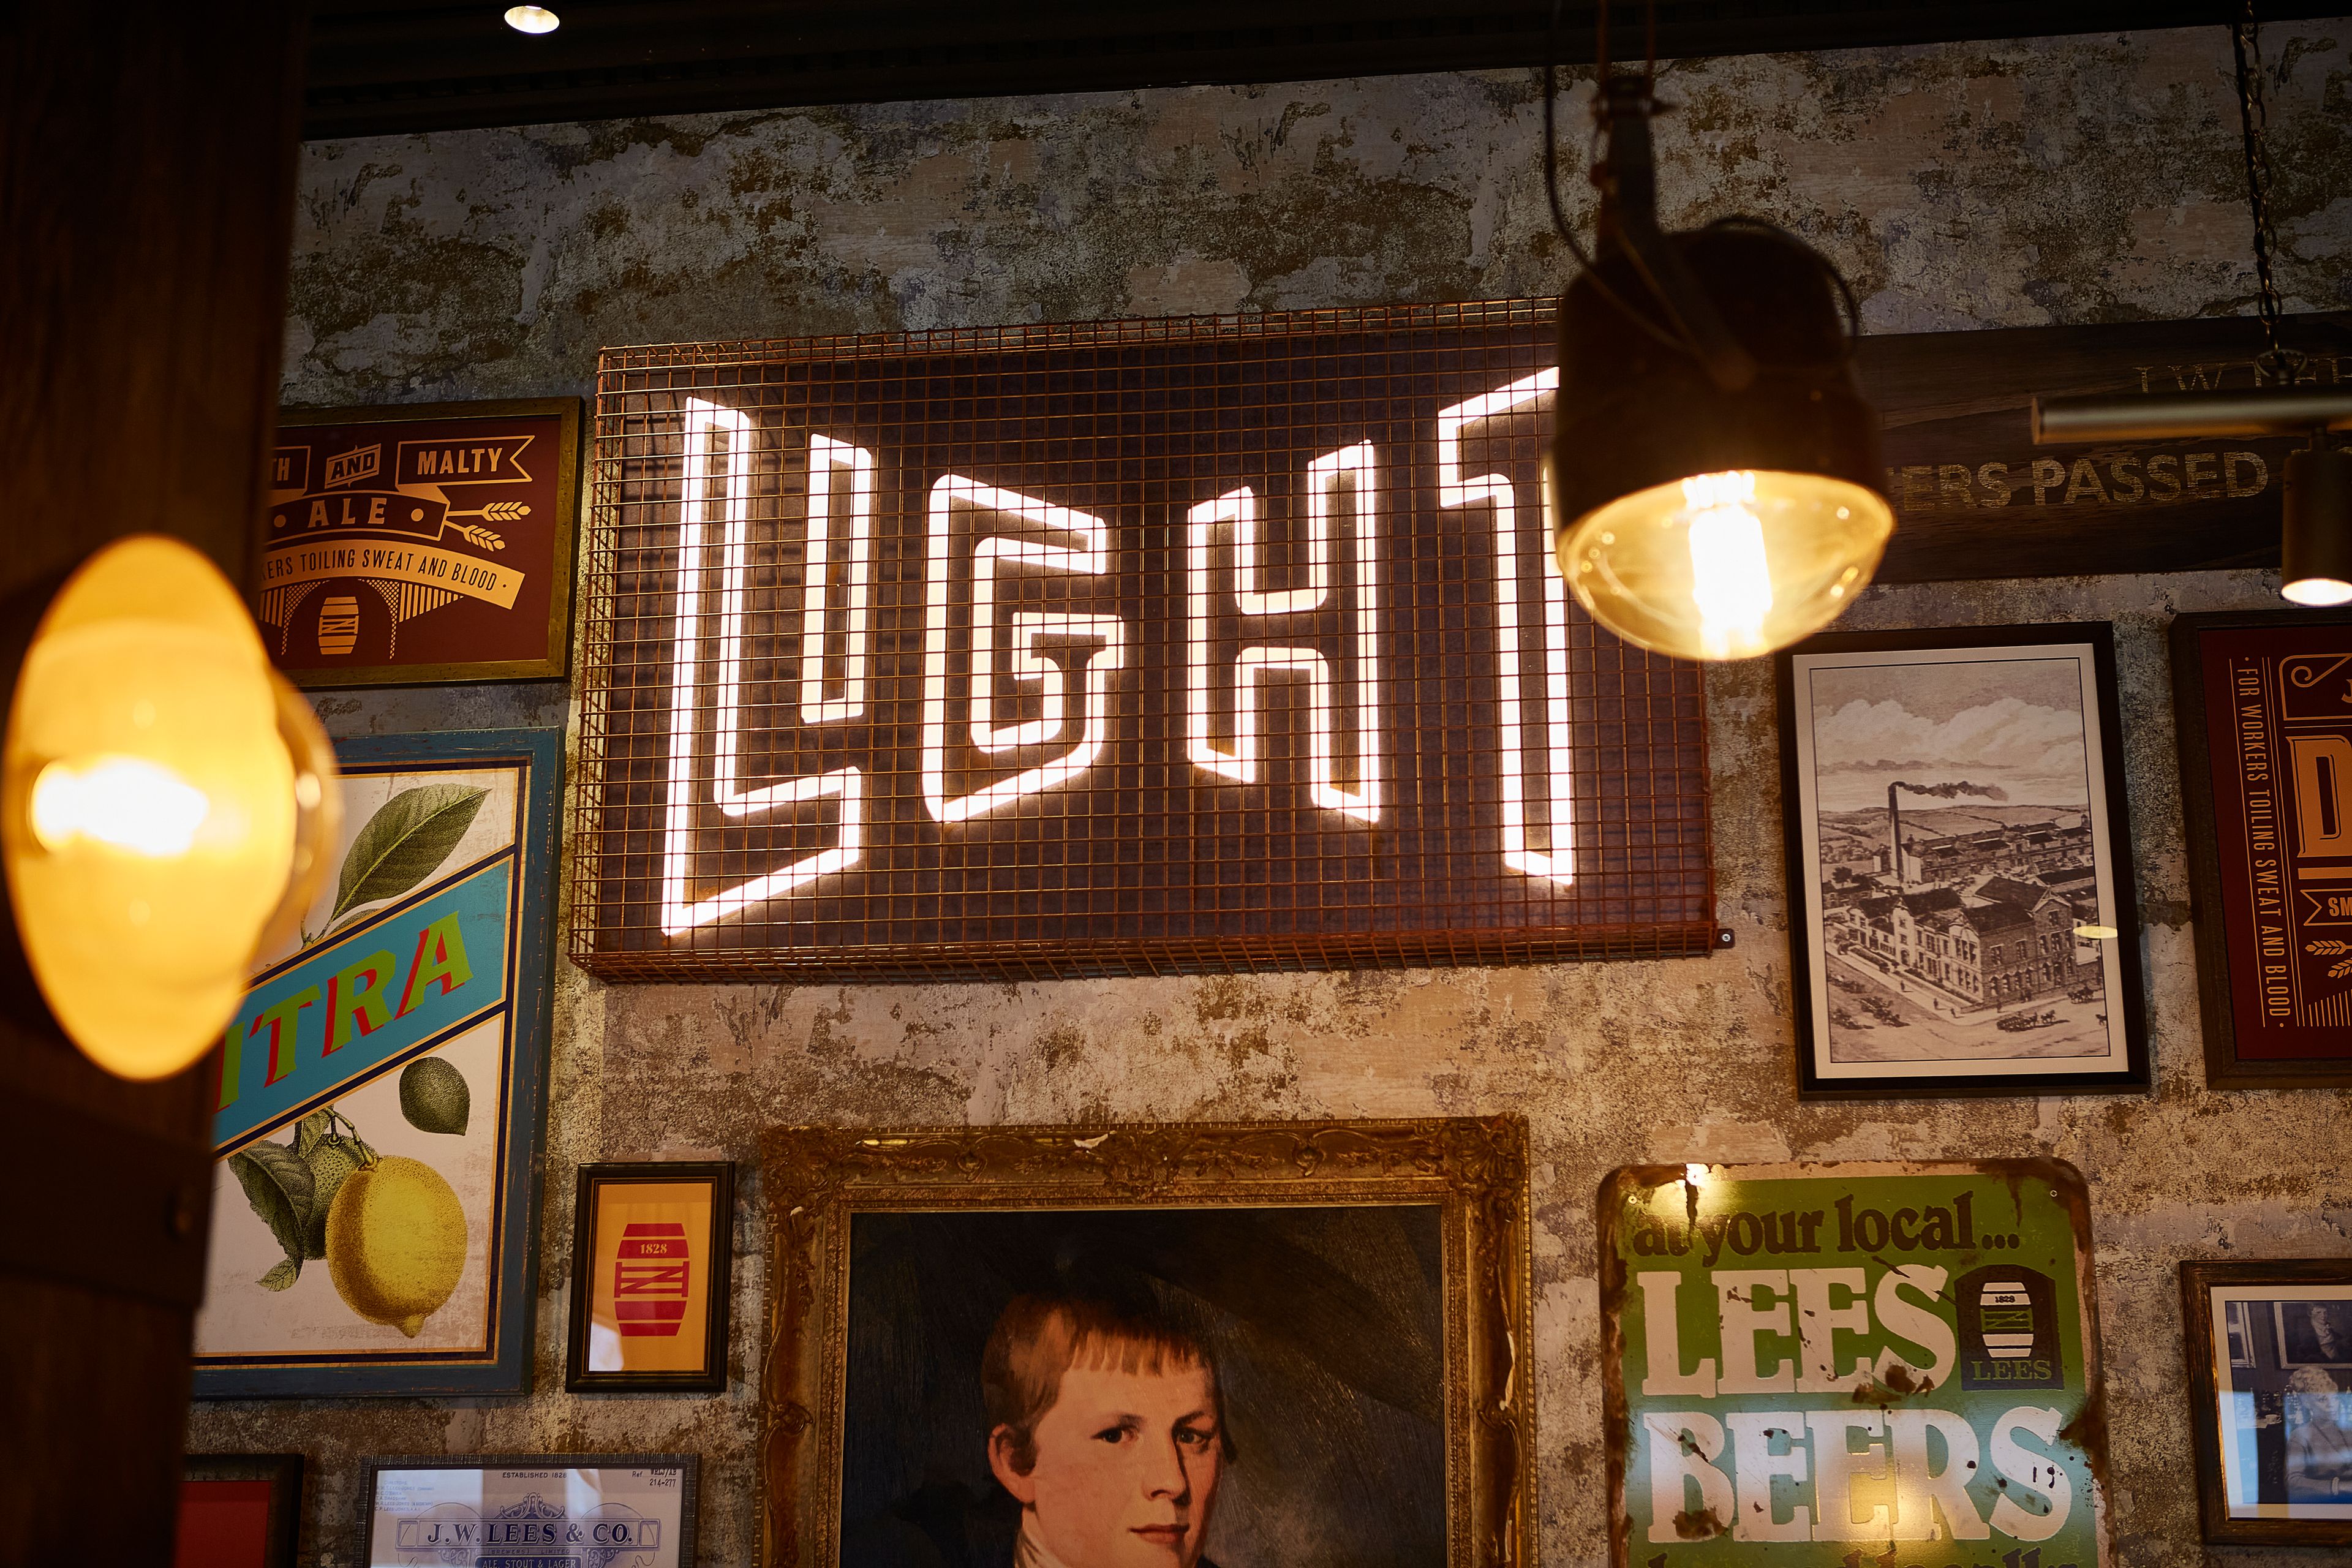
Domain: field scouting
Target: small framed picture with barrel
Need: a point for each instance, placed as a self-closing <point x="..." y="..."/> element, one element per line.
<point x="652" y="1245"/>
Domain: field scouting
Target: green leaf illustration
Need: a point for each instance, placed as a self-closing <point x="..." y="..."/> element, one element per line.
<point x="308" y="1131"/>
<point x="277" y="1183"/>
<point x="280" y="1278"/>
<point x="404" y="842"/>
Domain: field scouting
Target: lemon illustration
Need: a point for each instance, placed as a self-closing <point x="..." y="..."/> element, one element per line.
<point x="434" y="1097"/>
<point x="395" y="1242"/>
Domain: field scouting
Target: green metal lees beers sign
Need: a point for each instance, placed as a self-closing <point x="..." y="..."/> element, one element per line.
<point x="1895" y="1365"/>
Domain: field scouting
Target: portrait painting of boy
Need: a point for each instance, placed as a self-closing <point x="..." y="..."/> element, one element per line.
<point x="1204" y="1388"/>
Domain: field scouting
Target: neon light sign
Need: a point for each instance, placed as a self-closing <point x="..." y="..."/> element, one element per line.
<point x="1138" y="646"/>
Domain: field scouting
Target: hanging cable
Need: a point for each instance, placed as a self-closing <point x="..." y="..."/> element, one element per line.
<point x="2254" y="123"/>
<point x="1551" y="174"/>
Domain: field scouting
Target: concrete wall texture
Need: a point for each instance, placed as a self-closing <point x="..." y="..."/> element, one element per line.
<point x="2066" y="180"/>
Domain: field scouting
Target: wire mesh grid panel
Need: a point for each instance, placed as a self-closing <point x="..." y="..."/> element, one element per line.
<point x="1144" y="646"/>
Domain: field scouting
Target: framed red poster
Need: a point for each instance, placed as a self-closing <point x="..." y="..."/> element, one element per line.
<point x="239" y="1511"/>
<point x="421" y="544"/>
<point x="2265" y="718"/>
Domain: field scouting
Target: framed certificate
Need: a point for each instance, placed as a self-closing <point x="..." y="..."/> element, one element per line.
<point x="651" y="1246"/>
<point x="621" y="1510"/>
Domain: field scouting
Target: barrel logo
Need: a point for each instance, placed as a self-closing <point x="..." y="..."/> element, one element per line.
<point x="651" y="1279"/>
<point x="2009" y="1329"/>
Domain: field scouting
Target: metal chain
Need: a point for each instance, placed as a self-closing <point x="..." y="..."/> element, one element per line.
<point x="2254" y="122"/>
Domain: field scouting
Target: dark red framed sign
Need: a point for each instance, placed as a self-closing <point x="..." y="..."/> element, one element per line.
<point x="1122" y="648"/>
<point x="422" y="543"/>
<point x="239" y="1511"/>
<point x="2265" y="717"/>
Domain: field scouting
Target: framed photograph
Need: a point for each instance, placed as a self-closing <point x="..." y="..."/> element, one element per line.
<point x="1153" y="1344"/>
<point x="377" y="1100"/>
<point x="422" y="543"/>
<point x="2270" y="1394"/>
<point x="2265" y="709"/>
<point x="1962" y="919"/>
<point x="497" y="1510"/>
<point x="1777" y="1336"/>
<point x="239" y="1511"/>
<point x="651" y="1247"/>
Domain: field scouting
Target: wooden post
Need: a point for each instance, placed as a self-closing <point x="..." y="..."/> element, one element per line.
<point x="146" y="184"/>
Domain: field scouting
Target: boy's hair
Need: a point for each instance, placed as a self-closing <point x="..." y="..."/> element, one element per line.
<point x="1040" y="1337"/>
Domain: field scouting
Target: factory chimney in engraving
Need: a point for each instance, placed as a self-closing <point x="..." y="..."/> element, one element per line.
<point x="1894" y="832"/>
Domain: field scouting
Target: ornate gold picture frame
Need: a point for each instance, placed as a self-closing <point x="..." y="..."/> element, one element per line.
<point x="1353" y="1296"/>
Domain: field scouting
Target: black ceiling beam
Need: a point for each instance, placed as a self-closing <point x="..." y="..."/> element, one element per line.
<point x="385" y="67"/>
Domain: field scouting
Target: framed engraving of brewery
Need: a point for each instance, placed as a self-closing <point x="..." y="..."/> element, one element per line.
<point x="2269" y="1397"/>
<point x="377" y="1098"/>
<point x="1121" y="647"/>
<point x="652" y="1243"/>
<point x="422" y="543"/>
<point x="529" y="1511"/>
<point x="2264" y="709"/>
<point x="1962" y="914"/>
<point x="1833" y="1364"/>
<point x="1295" y="1342"/>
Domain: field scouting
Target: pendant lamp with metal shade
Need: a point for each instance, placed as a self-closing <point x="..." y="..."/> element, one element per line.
<point x="2315" y="522"/>
<point x="1712" y="478"/>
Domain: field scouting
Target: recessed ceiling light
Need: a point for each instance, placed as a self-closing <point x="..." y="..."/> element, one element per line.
<point x="532" y="19"/>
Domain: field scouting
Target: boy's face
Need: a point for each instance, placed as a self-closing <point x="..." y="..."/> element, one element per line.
<point x="1127" y="1469"/>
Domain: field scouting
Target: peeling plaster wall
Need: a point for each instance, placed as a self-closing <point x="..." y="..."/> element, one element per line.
<point x="2061" y="181"/>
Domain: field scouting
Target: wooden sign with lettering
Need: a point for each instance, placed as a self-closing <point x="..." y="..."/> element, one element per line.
<point x="1975" y="498"/>
<point x="422" y="543"/>
<point x="2264" y="706"/>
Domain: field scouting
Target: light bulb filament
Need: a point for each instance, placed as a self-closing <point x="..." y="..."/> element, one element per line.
<point x="1731" y="581"/>
<point x="129" y="802"/>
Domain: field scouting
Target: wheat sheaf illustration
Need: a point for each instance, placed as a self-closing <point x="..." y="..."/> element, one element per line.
<point x="2334" y="950"/>
<point x="481" y="537"/>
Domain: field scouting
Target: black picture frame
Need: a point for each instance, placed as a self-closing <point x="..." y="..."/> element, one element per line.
<point x="718" y="1248"/>
<point x="2119" y="1003"/>
<point x="2220" y="975"/>
<point x="690" y="1483"/>
<point x="2249" y="1347"/>
<point x="283" y="1472"/>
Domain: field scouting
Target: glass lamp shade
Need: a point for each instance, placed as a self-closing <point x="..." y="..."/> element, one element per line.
<point x="167" y="803"/>
<point x="1726" y="565"/>
<point x="1704" y="520"/>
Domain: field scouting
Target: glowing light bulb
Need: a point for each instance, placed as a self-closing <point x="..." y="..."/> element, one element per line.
<point x="1696" y="1174"/>
<point x="1732" y="581"/>
<point x="166" y="804"/>
<point x="129" y="802"/>
<point x="1726" y="565"/>
<point x="532" y="19"/>
<point x="2317" y="591"/>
